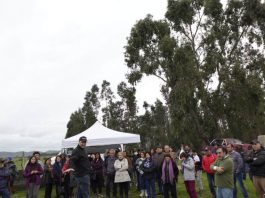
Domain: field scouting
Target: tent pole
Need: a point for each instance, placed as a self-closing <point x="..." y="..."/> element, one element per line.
<point x="122" y="149"/>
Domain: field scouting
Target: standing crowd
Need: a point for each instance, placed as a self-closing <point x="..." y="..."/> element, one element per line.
<point x="77" y="174"/>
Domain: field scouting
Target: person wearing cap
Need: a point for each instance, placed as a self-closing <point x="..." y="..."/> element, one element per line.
<point x="4" y="180"/>
<point x="79" y="161"/>
<point x="223" y="169"/>
<point x="257" y="168"/>
<point x="207" y="160"/>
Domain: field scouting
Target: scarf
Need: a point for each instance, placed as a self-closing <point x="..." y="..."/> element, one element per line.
<point x="170" y="171"/>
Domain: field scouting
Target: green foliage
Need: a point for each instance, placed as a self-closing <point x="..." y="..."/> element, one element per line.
<point x="197" y="43"/>
<point x="210" y="59"/>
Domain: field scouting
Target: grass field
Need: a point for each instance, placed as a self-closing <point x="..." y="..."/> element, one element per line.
<point x="20" y="192"/>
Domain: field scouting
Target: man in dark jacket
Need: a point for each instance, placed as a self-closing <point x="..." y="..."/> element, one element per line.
<point x="158" y="158"/>
<point x="79" y="161"/>
<point x="110" y="174"/>
<point x="257" y="168"/>
<point x="4" y="180"/>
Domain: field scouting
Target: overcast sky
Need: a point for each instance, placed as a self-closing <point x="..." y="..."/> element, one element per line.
<point x="51" y="53"/>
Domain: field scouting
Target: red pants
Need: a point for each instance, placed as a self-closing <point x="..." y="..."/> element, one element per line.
<point x="190" y="187"/>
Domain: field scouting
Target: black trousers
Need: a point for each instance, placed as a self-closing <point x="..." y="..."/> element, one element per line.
<point x="124" y="189"/>
<point x="170" y="188"/>
<point x="97" y="183"/>
<point x="48" y="190"/>
<point x="111" y="185"/>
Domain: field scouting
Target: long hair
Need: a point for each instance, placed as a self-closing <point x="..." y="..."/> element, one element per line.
<point x="29" y="162"/>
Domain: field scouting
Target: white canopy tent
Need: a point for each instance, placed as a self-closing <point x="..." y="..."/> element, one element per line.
<point x="98" y="135"/>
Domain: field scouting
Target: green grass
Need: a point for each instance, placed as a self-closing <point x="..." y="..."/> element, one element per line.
<point x="20" y="192"/>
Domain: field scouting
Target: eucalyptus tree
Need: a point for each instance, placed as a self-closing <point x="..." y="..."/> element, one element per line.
<point x="210" y="58"/>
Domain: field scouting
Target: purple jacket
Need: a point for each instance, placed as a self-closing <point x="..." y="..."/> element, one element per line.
<point x="35" y="177"/>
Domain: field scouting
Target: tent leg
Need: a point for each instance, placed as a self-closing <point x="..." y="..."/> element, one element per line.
<point x="122" y="147"/>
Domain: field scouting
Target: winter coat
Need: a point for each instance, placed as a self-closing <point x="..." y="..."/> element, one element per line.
<point x="48" y="174"/>
<point x="188" y="169"/>
<point x="237" y="161"/>
<point x="226" y="178"/>
<point x="4" y="177"/>
<point x="158" y="159"/>
<point x="79" y="161"/>
<point x="109" y="165"/>
<point x="148" y="168"/>
<point x="170" y="172"/>
<point x="121" y="174"/>
<point x="257" y="164"/>
<point x="35" y="177"/>
<point x="207" y="161"/>
<point x="138" y="165"/>
<point x="97" y="169"/>
<point x="57" y="172"/>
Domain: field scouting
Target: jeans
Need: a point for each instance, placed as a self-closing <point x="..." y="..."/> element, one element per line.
<point x="150" y="187"/>
<point x="111" y="185"/>
<point x="224" y="192"/>
<point x="82" y="186"/>
<point x="238" y="178"/>
<point x="142" y="182"/>
<point x="4" y="193"/>
<point x="210" y="178"/>
<point x="170" y="188"/>
<point x="159" y="181"/>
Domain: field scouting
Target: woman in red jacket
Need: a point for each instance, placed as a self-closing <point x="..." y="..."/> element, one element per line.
<point x="207" y="160"/>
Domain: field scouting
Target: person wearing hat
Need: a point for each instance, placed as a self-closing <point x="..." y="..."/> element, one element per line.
<point x="79" y="161"/>
<point x="207" y="160"/>
<point x="257" y="168"/>
<point x="4" y="180"/>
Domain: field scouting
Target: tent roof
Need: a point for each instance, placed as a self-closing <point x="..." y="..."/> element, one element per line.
<point x="98" y="135"/>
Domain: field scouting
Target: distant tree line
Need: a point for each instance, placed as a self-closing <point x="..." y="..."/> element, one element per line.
<point x="209" y="57"/>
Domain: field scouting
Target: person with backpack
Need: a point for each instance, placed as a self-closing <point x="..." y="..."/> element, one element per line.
<point x="4" y="180"/>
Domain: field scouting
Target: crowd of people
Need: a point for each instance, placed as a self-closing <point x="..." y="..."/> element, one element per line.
<point x="225" y="166"/>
